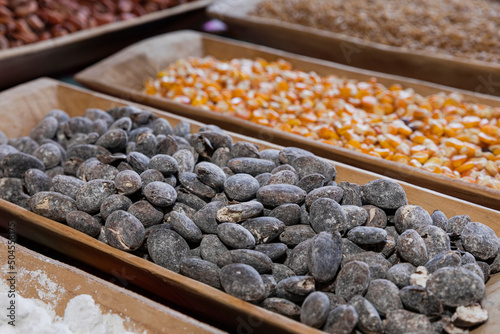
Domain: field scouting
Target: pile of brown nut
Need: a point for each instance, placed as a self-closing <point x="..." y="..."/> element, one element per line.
<point x="29" y="21"/>
<point x="467" y="29"/>
<point x="271" y="227"/>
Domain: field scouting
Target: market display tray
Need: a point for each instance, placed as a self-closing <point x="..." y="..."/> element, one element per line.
<point x="83" y="47"/>
<point x="124" y="73"/>
<point x="56" y="283"/>
<point x="444" y="69"/>
<point x="24" y="106"/>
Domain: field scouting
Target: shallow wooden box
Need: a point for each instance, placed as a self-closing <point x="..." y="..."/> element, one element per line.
<point x="55" y="283"/>
<point x="23" y="106"/>
<point x="53" y="56"/>
<point x="477" y="76"/>
<point x="124" y="73"/>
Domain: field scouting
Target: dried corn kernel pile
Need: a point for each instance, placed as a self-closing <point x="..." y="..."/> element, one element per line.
<point x="440" y="133"/>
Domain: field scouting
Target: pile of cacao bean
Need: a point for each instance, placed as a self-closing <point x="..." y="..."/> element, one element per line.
<point x="28" y="21"/>
<point x="271" y="227"/>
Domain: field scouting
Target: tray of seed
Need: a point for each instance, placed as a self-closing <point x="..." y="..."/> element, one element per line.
<point x="251" y="235"/>
<point x="39" y="294"/>
<point x="430" y="135"/>
<point x="54" y="33"/>
<point x="453" y="43"/>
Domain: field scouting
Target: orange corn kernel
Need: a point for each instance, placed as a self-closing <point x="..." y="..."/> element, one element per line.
<point x="458" y="160"/>
<point x="495" y="149"/>
<point x="399" y="157"/>
<point x="490" y="130"/>
<point x="405" y="130"/>
<point x="486" y="139"/>
<point x="419" y="138"/>
<point x="375" y="154"/>
<point x="465" y="167"/>
<point x="368" y="101"/>
<point x="417" y="149"/>
<point x="345" y="92"/>
<point x="455" y="143"/>
<point x="354" y="143"/>
<point x="327" y="133"/>
<point x="420" y="156"/>
<point x="285" y="127"/>
<point x="382" y="152"/>
<point x="308" y="118"/>
<point x="437" y="129"/>
<point x="471" y="121"/>
<point x="415" y="163"/>
<point x="294" y="122"/>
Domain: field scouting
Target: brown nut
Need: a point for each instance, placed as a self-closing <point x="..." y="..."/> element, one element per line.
<point x="26" y="8"/>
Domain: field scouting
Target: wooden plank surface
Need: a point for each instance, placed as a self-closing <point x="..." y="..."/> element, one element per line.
<point x="30" y="102"/>
<point x="441" y="68"/>
<point x="83" y="47"/>
<point x="56" y="283"/>
<point x="124" y="73"/>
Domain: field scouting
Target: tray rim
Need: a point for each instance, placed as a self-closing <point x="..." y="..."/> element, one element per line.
<point x="91" y="78"/>
<point x="124" y="258"/>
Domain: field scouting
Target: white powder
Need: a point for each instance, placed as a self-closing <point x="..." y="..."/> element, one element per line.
<point x="81" y="316"/>
<point x="49" y="291"/>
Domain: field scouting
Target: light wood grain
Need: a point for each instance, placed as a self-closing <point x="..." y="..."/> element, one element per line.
<point x="193" y="295"/>
<point x="441" y="68"/>
<point x="124" y="73"/>
<point x="139" y="314"/>
<point x="83" y="47"/>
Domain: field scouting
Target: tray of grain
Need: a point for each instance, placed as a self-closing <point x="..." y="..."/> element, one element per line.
<point x="63" y="50"/>
<point x="32" y="101"/>
<point x="440" y="42"/>
<point x="43" y="289"/>
<point x="126" y="74"/>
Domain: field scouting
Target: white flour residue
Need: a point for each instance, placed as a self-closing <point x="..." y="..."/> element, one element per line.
<point x="48" y="290"/>
<point x="81" y="316"/>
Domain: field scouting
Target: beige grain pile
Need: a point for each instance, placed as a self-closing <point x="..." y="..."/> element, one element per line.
<point x="468" y="29"/>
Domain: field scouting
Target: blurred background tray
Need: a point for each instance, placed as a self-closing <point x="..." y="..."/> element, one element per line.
<point x="57" y="283"/>
<point x="444" y="69"/>
<point x="83" y="47"/>
<point x="124" y="74"/>
<point x="33" y="100"/>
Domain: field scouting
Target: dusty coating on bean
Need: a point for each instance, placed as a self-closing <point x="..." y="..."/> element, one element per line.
<point x="52" y="205"/>
<point x="167" y="248"/>
<point x="242" y="281"/>
<point x="385" y="194"/>
<point x="124" y="231"/>
<point x="456" y="286"/>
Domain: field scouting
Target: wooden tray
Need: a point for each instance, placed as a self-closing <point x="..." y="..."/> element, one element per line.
<point x="123" y="75"/>
<point x="31" y="101"/>
<point x="444" y="69"/>
<point x="81" y="48"/>
<point x="55" y="283"/>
